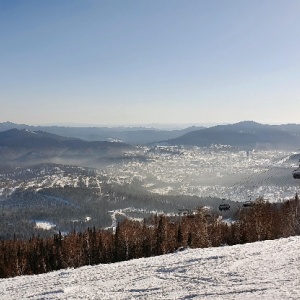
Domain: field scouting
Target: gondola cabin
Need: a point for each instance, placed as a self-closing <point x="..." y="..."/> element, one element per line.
<point x="248" y="204"/>
<point x="296" y="174"/>
<point x="224" y="206"/>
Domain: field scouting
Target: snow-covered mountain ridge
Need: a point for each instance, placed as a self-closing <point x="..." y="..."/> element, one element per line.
<point x="261" y="270"/>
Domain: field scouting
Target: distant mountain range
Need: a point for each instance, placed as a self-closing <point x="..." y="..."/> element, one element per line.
<point x="23" y="145"/>
<point x="84" y="141"/>
<point x="245" y="135"/>
<point x="130" y="135"/>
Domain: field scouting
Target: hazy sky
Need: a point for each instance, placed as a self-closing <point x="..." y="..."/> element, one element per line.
<point x="156" y="61"/>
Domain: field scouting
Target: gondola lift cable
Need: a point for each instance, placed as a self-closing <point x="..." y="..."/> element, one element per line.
<point x="274" y="165"/>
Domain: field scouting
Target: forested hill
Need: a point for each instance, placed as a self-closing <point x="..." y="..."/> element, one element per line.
<point x="42" y="139"/>
<point x="24" y="145"/>
<point x="246" y="135"/>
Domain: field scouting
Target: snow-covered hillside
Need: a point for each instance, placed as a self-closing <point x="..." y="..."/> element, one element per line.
<point x="262" y="270"/>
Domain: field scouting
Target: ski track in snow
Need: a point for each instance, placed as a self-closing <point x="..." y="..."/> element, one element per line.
<point x="262" y="270"/>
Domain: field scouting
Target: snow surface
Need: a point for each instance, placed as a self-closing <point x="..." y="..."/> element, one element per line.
<point x="46" y="225"/>
<point x="262" y="270"/>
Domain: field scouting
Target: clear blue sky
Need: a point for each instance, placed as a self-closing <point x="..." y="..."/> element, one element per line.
<point x="156" y="61"/>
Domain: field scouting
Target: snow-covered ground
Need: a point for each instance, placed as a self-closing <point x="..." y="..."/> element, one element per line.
<point x="51" y="177"/>
<point x="262" y="270"/>
<point x="46" y="225"/>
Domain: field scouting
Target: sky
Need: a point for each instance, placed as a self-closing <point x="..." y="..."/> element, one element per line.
<point x="116" y="62"/>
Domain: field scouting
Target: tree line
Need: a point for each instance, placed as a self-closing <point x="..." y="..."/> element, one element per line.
<point x="156" y="235"/>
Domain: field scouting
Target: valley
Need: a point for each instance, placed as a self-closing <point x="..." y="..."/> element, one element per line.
<point x="51" y="183"/>
<point x="46" y="198"/>
<point x="216" y="171"/>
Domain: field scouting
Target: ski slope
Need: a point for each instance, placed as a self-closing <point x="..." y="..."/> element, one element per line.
<point x="262" y="270"/>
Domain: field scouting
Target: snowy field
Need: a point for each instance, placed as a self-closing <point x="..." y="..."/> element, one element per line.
<point x="262" y="270"/>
